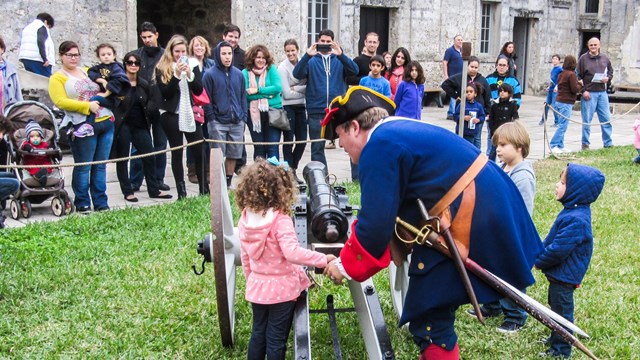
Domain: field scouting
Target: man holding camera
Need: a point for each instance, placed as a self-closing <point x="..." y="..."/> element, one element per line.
<point x="326" y="68"/>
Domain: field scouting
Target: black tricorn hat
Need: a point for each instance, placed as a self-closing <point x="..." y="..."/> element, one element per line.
<point x="345" y="108"/>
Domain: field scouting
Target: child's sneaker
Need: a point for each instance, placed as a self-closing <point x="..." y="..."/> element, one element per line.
<point x="485" y="313"/>
<point x="83" y="131"/>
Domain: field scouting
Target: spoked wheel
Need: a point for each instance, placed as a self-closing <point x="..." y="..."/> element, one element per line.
<point x="14" y="207"/>
<point x="57" y="206"/>
<point x="399" y="282"/>
<point x="25" y="209"/>
<point x="225" y="247"/>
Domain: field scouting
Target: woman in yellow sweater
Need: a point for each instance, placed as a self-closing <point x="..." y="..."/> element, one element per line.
<point x="70" y="89"/>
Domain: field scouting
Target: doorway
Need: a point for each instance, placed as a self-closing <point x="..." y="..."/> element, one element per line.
<point x="521" y="28"/>
<point x="374" y="19"/>
<point x="586" y="35"/>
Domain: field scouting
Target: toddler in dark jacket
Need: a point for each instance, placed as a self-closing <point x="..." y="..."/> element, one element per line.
<point x="569" y="244"/>
<point x="503" y="110"/>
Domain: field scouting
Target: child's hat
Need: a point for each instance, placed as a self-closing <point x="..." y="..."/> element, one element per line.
<point x="345" y="108"/>
<point x="33" y="125"/>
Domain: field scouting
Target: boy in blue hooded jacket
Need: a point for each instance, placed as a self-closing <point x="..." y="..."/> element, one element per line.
<point x="569" y="244"/>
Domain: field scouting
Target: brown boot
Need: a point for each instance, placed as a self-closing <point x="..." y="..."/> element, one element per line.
<point x="191" y="173"/>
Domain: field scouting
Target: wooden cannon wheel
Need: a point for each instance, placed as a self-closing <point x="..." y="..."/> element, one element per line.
<point x="223" y="256"/>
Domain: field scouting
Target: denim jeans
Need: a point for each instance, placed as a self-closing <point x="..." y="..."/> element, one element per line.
<point x="8" y="185"/>
<point x="89" y="182"/>
<point x="37" y="67"/>
<point x="561" y="302"/>
<point x="159" y="143"/>
<point x="267" y="134"/>
<point x="270" y="330"/>
<point x="477" y="140"/>
<point x="558" y="138"/>
<point x="551" y="101"/>
<point x="141" y="139"/>
<point x="315" y="129"/>
<point x="598" y="103"/>
<point x="637" y="159"/>
<point x="452" y="107"/>
<point x="297" y="115"/>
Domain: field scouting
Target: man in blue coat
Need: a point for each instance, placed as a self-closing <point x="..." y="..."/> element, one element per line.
<point x="495" y="225"/>
<point x="326" y="68"/>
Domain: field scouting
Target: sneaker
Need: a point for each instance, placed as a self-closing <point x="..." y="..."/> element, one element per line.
<point x="585" y="146"/>
<point x="2" y="219"/>
<point x="551" y="355"/>
<point x="485" y="313"/>
<point x="509" y="328"/>
<point x="450" y="117"/>
<point x="331" y="145"/>
<point x="83" y="209"/>
<point x="556" y="150"/>
<point x="541" y="122"/>
<point x="83" y="131"/>
<point x="566" y="150"/>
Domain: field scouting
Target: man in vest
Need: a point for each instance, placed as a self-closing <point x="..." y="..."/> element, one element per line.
<point x="37" y="51"/>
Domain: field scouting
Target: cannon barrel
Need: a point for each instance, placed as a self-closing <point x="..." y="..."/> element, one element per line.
<point x="326" y="205"/>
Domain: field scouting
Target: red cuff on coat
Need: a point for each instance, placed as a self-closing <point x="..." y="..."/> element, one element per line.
<point x="358" y="262"/>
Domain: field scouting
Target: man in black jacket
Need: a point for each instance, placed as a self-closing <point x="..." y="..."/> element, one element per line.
<point x="150" y="53"/>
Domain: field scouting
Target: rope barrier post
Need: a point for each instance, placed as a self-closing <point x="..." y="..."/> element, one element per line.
<point x="466" y="53"/>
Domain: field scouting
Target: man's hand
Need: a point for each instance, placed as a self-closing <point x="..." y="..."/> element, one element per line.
<point x="46" y="63"/>
<point x="335" y="48"/>
<point x="586" y="95"/>
<point x="312" y="51"/>
<point x="333" y="273"/>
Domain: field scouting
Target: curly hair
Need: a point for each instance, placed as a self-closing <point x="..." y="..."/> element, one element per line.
<point x="263" y="186"/>
<point x="252" y="53"/>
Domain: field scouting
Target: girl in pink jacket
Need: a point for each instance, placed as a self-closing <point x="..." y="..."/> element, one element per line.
<point x="272" y="258"/>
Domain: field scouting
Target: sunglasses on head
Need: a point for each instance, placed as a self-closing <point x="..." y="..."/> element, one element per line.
<point x="132" y="63"/>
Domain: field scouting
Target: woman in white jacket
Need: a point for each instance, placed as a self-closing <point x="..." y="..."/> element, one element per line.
<point x="293" y="93"/>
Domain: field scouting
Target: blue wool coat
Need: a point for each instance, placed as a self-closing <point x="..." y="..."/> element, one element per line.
<point x="569" y="244"/>
<point x="425" y="165"/>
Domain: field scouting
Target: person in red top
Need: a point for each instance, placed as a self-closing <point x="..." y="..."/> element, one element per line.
<point x="34" y="140"/>
<point x="395" y="73"/>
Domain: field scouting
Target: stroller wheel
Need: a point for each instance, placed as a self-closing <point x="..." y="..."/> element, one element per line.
<point x="58" y="206"/>
<point x="25" y="208"/>
<point x="14" y="207"/>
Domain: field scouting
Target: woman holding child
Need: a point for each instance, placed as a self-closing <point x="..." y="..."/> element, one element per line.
<point x="136" y="112"/>
<point x="70" y="90"/>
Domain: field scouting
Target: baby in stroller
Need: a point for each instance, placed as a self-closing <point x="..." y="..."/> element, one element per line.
<point x="33" y="142"/>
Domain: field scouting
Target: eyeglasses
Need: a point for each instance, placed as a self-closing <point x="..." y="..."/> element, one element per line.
<point x="133" y="63"/>
<point x="72" y="56"/>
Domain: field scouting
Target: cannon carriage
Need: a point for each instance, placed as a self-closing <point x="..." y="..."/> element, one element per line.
<point x="322" y="218"/>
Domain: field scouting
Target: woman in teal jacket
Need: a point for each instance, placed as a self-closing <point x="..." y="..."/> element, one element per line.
<point x="264" y="89"/>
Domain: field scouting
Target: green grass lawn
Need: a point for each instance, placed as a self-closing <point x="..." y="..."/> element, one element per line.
<point x="119" y="284"/>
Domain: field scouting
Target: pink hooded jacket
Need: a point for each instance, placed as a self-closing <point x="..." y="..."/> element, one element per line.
<point x="271" y="257"/>
<point x="636" y="131"/>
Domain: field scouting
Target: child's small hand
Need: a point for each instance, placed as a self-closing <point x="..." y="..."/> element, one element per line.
<point x="101" y="81"/>
<point x="102" y="94"/>
<point x="27" y="147"/>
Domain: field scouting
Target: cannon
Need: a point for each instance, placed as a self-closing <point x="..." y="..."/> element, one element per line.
<point x="322" y="218"/>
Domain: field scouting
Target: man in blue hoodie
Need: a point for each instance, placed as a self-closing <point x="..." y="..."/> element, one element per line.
<point x="569" y="244"/>
<point x="226" y="113"/>
<point x="325" y="67"/>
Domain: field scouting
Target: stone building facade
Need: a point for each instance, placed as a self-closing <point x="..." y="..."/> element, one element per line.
<point x="540" y="28"/>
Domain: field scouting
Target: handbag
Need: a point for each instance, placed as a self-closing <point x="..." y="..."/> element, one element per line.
<point x="198" y="113"/>
<point x="202" y="99"/>
<point x="278" y="119"/>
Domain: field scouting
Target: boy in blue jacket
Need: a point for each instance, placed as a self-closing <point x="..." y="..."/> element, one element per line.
<point x="569" y="244"/>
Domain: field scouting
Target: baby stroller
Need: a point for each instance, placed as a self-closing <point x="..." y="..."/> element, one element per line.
<point x="17" y="116"/>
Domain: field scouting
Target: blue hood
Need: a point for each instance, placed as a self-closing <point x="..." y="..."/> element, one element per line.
<point x="584" y="185"/>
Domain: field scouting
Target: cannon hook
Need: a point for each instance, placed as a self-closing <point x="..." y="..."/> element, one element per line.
<point x="196" y="271"/>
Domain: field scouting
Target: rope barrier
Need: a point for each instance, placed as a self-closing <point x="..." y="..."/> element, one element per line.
<point x="154" y="153"/>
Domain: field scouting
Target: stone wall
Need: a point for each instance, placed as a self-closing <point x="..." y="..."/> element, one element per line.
<point x="426" y="28"/>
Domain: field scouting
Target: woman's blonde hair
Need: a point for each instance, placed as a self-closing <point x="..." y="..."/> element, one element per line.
<point x="203" y="41"/>
<point x="165" y="65"/>
<point x="264" y="185"/>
